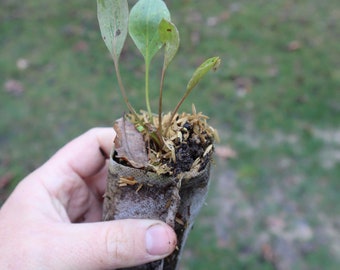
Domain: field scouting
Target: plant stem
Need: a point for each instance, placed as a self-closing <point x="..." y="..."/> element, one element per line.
<point x="176" y="109"/>
<point x="160" y="102"/>
<point x="121" y="87"/>
<point x="147" y="100"/>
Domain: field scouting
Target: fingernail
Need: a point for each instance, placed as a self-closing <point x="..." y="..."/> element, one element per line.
<point x="159" y="240"/>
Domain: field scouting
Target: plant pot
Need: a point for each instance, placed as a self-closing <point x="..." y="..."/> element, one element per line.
<point x="176" y="200"/>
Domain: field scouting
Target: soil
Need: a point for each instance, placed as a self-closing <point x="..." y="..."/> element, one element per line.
<point x="188" y="151"/>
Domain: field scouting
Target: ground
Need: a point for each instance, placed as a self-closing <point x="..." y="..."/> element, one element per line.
<point x="275" y="101"/>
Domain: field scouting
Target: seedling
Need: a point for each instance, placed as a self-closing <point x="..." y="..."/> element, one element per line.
<point x="160" y="164"/>
<point x="150" y="27"/>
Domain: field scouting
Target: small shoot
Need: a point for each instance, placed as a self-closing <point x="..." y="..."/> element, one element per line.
<point x="211" y="63"/>
<point x="170" y="37"/>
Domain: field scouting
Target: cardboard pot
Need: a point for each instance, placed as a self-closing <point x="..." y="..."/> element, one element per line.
<point x="176" y="200"/>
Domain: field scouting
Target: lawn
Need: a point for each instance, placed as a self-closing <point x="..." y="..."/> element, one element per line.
<point x="275" y="101"/>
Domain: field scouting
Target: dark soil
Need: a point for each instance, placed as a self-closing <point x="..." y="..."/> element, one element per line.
<point x="188" y="151"/>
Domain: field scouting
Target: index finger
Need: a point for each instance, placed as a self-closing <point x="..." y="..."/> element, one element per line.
<point x="73" y="178"/>
<point x="86" y="154"/>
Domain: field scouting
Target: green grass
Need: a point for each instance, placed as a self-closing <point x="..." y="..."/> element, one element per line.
<point x="285" y="129"/>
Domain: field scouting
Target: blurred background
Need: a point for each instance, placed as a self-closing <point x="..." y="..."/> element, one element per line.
<point x="274" y="200"/>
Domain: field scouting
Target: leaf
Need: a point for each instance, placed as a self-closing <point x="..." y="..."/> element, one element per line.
<point x="170" y="37"/>
<point x="113" y="22"/>
<point x="145" y="17"/>
<point x="211" y="63"/>
<point x="129" y="144"/>
<point x="5" y="180"/>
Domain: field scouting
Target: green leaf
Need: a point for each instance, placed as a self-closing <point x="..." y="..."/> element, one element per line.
<point x="211" y="63"/>
<point x="170" y="37"/>
<point x="144" y="20"/>
<point x="113" y="16"/>
<point x="113" y="22"/>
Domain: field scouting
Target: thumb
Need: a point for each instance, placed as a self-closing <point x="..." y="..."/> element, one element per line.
<point x="114" y="244"/>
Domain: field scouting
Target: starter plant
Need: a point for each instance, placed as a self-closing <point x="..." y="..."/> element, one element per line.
<point x="160" y="162"/>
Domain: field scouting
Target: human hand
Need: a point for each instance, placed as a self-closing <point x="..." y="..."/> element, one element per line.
<point x="50" y="221"/>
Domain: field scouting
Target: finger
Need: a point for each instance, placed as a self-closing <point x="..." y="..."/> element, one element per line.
<point x="97" y="183"/>
<point x="66" y="201"/>
<point x="86" y="154"/>
<point x="113" y="244"/>
<point x="77" y="172"/>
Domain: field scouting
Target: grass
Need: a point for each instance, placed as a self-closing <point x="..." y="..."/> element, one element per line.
<point x="275" y="100"/>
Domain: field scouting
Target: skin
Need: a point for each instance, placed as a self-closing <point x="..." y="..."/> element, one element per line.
<point x="51" y="220"/>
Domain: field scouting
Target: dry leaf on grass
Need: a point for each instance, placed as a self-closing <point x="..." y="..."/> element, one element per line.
<point x="22" y="64"/>
<point x="225" y="152"/>
<point x="14" y="87"/>
<point x="294" y="45"/>
<point x="5" y="180"/>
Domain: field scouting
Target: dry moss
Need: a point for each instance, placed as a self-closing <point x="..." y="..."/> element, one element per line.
<point x="184" y="145"/>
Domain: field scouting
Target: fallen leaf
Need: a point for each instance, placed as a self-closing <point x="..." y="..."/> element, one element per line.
<point x="225" y="15"/>
<point x="268" y="253"/>
<point x="5" y="180"/>
<point x="22" y="64"/>
<point x="294" y="45"/>
<point x="195" y="37"/>
<point x="81" y="46"/>
<point x="130" y="144"/>
<point x="225" y="152"/>
<point x="14" y="87"/>
<point x="212" y="21"/>
<point x="243" y="86"/>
